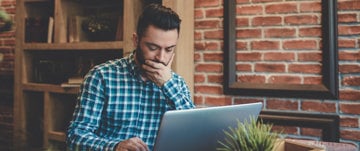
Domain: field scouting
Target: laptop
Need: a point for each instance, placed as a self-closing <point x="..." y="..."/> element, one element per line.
<point x="201" y="129"/>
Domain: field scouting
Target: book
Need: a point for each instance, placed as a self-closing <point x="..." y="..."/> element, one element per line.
<point x="50" y="30"/>
<point x="75" y="32"/>
<point x="36" y="29"/>
<point x="75" y="80"/>
<point x="119" y="29"/>
<point x="69" y="85"/>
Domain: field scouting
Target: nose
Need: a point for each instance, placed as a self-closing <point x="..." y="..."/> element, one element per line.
<point x="161" y="56"/>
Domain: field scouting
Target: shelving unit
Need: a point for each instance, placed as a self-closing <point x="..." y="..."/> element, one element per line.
<point x="42" y="107"/>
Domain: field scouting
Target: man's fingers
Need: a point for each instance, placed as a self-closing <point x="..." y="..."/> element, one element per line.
<point x="171" y="60"/>
<point x="133" y="144"/>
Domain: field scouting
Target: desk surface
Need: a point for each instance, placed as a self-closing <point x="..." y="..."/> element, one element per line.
<point x="329" y="146"/>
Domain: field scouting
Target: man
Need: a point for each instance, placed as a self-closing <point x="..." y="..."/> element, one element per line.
<point x="122" y="101"/>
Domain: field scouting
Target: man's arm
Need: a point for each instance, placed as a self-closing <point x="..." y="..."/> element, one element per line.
<point x="177" y="91"/>
<point x="87" y="115"/>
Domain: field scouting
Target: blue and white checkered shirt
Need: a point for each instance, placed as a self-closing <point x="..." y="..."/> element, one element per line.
<point x="115" y="104"/>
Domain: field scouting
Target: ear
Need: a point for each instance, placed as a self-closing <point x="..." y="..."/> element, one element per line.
<point x="135" y="40"/>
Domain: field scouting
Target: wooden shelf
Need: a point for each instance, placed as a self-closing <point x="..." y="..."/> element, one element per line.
<point x="49" y="88"/>
<point x="75" y="46"/>
<point x="57" y="136"/>
<point x="36" y="1"/>
<point x="44" y="109"/>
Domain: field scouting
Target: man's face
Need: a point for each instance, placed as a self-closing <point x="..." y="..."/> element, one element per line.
<point x="156" y="45"/>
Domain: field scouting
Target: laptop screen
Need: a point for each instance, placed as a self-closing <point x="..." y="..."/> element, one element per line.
<point x="201" y="129"/>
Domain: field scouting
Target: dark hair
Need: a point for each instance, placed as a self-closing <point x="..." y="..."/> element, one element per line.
<point x="158" y="16"/>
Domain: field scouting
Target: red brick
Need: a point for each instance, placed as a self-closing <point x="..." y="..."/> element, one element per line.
<point x="349" y="122"/>
<point x="266" y="21"/>
<point x="197" y="57"/>
<point x="349" y="55"/>
<point x="285" y="129"/>
<point x="347" y="18"/>
<point x="248" y="56"/>
<point x="281" y="8"/>
<point x="262" y="67"/>
<point x="348" y="30"/>
<point x="317" y="106"/>
<point x="214" y="34"/>
<point x="279" y="56"/>
<point x="310" y="7"/>
<point x="352" y="95"/>
<point x="241" y="45"/>
<point x="282" y="104"/>
<point x="205" y="89"/>
<point x="242" y="1"/>
<point x="351" y="81"/>
<point x="300" y="44"/>
<point x="310" y="56"/>
<point x="313" y="80"/>
<point x="199" y="46"/>
<point x="199" y="78"/>
<point x="218" y="101"/>
<point x="197" y="35"/>
<point x="305" y="68"/>
<point x="249" y="10"/>
<point x="209" y="67"/>
<point x="352" y="134"/>
<point x="314" y="132"/>
<point x="7" y="3"/>
<point x="348" y="108"/>
<point x="247" y="100"/>
<point x="9" y="42"/>
<point x="262" y="1"/>
<point x="8" y="34"/>
<point x="349" y="5"/>
<point x="280" y="32"/>
<point x="206" y="46"/>
<point x="243" y="67"/>
<point x="349" y="68"/>
<point x="347" y="43"/>
<point x="310" y="32"/>
<point x="198" y="14"/>
<point x="207" y="24"/>
<point x="251" y="78"/>
<point x="302" y="20"/>
<point x="265" y="45"/>
<point x="215" y="78"/>
<point x="242" y="22"/>
<point x="213" y="56"/>
<point x="285" y="79"/>
<point x="206" y="3"/>
<point x="248" y="33"/>
<point x="214" y="13"/>
<point x="198" y="100"/>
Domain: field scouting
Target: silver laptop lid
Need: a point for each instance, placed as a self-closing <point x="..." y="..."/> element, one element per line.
<point x="201" y="129"/>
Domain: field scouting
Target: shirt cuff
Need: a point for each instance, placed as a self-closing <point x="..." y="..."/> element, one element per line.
<point x="171" y="89"/>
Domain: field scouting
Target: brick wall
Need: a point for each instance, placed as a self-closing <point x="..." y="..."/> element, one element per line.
<point x="296" y="48"/>
<point x="7" y="48"/>
<point x="208" y="63"/>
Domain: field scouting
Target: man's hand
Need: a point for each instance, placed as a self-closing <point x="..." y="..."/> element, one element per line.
<point x="157" y="72"/>
<point x="132" y="144"/>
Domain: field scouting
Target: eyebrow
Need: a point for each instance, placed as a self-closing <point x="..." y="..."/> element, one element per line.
<point x="153" y="44"/>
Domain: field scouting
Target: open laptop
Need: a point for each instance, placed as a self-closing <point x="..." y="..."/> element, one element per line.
<point x="201" y="129"/>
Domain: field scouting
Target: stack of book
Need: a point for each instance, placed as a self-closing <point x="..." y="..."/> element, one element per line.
<point x="73" y="82"/>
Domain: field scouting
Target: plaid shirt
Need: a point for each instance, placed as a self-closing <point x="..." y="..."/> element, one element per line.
<point x="115" y="104"/>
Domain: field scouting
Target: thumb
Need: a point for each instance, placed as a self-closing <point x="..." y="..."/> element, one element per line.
<point x="171" y="60"/>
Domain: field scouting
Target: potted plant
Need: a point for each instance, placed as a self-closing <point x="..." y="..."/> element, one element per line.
<point x="249" y="136"/>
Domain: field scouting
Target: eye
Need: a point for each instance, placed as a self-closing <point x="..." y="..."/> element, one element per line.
<point x="170" y="49"/>
<point x="152" y="47"/>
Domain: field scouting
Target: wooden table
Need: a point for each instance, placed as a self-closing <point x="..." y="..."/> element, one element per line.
<point x="329" y="146"/>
